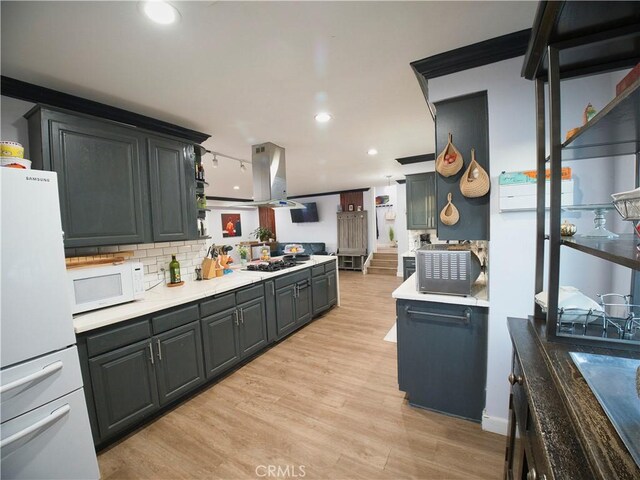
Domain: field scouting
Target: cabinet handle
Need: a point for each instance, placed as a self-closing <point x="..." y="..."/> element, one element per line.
<point x="242" y="316"/>
<point x="466" y="318"/>
<point x="513" y="379"/>
<point x="235" y="315"/>
<point x="273" y="289"/>
<point x="329" y="281"/>
<point x="159" y="349"/>
<point x="151" y="354"/>
<point x="532" y="474"/>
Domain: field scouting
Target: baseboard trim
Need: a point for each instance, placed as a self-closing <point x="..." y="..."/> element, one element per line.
<point x="495" y="424"/>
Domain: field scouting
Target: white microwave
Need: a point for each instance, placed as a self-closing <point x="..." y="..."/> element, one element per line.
<point x="105" y="285"/>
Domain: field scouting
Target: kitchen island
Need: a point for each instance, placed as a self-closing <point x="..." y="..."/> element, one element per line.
<point x="442" y="349"/>
<point x="140" y="358"/>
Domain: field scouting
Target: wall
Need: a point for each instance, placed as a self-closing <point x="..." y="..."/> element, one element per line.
<point x="155" y="257"/>
<point x="13" y="125"/>
<point x="325" y="230"/>
<point x="512" y="246"/>
<point x="248" y="219"/>
<point x="381" y="213"/>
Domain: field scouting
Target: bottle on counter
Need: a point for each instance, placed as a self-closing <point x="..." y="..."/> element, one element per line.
<point x="174" y="270"/>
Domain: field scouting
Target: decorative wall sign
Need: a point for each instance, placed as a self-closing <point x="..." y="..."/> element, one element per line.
<point x="231" y="226"/>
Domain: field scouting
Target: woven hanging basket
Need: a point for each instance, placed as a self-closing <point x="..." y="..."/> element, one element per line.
<point x="450" y="161"/>
<point x="449" y="214"/>
<point x="475" y="181"/>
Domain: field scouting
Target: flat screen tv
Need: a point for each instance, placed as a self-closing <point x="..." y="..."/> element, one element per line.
<point x="304" y="215"/>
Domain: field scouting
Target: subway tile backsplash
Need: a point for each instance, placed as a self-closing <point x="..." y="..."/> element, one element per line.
<point x="155" y="257"/>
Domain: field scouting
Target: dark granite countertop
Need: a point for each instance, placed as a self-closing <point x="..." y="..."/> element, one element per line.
<point x="579" y="439"/>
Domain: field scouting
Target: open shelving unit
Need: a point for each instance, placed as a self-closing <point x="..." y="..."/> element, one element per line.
<point x="571" y="39"/>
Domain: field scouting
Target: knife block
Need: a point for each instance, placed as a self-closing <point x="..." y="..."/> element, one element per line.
<point x="208" y="268"/>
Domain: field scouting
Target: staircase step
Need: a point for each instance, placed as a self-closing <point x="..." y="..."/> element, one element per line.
<point x="385" y="256"/>
<point x="382" y="271"/>
<point x="375" y="262"/>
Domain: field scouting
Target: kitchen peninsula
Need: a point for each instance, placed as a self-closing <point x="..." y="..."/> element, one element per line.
<point x="141" y="357"/>
<point x="442" y="348"/>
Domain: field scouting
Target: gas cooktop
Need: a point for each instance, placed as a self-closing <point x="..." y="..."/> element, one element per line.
<point x="271" y="266"/>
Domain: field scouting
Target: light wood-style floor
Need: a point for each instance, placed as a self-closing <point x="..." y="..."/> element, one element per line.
<point x="324" y="403"/>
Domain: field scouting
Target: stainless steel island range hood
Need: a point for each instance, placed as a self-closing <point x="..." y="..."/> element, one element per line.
<point x="270" y="177"/>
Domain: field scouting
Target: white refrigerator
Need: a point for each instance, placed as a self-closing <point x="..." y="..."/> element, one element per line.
<point x="44" y="425"/>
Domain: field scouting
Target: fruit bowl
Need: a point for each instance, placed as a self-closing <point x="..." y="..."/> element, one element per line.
<point x="293" y="249"/>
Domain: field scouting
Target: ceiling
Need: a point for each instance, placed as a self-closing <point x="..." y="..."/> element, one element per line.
<point x="250" y="72"/>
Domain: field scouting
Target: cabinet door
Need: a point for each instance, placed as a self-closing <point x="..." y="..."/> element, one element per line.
<point x="253" y="326"/>
<point x="124" y="387"/>
<point x="285" y="310"/>
<point x="178" y="361"/>
<point x="320" y="294"/>
<point x="332" y="288"/>
<point x="221" y="345"/>
<point x="102" y="181"/>
<point x="421" y="201"/>
<point x="303" y="303"/>
<point x="408" y="267"/>
<point x="172" y="182"/>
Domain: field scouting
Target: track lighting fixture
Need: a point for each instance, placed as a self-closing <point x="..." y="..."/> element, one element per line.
<point x="215" y="161"/>
<point x="242" y="167"/>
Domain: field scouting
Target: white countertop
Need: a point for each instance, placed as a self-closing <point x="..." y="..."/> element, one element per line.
<point x="162" y="297"/>
<point x="408" y="291"/>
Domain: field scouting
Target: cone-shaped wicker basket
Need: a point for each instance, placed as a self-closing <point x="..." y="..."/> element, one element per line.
<point x="475" y="181"/>
<point x="450" y="161"/>
<point x="449" y="214"/>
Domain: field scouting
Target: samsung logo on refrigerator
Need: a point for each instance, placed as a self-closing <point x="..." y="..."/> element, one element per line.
<point x="37" y="179"/>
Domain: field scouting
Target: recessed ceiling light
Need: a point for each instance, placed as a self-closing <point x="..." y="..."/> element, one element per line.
<point x="372" y="151"/>
<point x="161" y="12"/>
<point x="323" y="117"/>
<point x="236" y="187"/>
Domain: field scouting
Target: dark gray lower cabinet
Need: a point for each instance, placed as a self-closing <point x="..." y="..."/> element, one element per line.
<point x="324" y="287"/>
<point x="304" y="310"/>
<point x="408" y="266"/>
<point x="124" y="387"/>
<point x="253" y="326"/>
<point x="178" y="361"/>
<point x="285" y="310"/>
<point x="221" y="344"/>
<point x="442" y="356"/>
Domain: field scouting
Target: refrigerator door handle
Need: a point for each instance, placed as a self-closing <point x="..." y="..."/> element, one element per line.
<point x="45" y="372"/>
<point x="56" y="415"/>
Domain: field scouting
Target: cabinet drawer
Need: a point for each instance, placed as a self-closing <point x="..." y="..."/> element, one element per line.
<point x="218" y="304"/>
<point x="330" y="266"/>
<point x="249" y="293"/>
<point x="175" y="318"/>
<point x="292" y="278"/>
<point x="317" y="270"/>
<point x="118" y="337"/>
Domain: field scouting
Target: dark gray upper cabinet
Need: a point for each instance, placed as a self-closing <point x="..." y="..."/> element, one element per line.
<point x="102" y="176"/>
<point x="124" y="387"/>
<point x="421" y="201"/>
<point x="179" y="366"/>
<point x="117" y="184"/>
<point x="171" y="178"/>
<point x="467" y="119"/>
<point x="221" y="343"/>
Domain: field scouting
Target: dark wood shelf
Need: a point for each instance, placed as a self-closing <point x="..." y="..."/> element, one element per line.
<point x="593" y="37"/>
<point x="620" y="250"/>
<point x="615" y="130"/>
